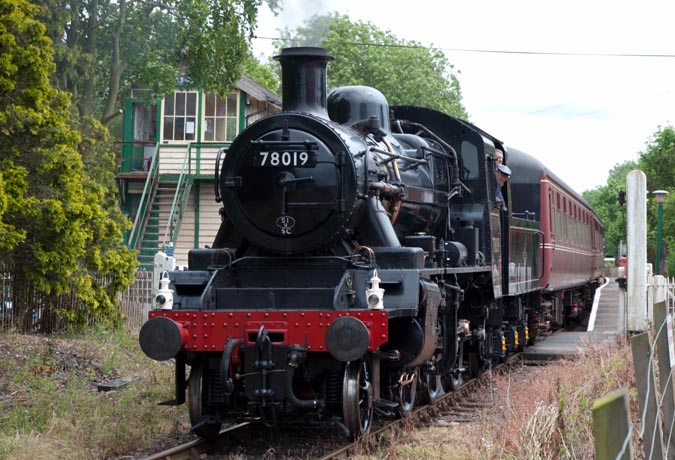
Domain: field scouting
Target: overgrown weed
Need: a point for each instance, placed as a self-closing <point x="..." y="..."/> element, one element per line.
<point x="540" y="413"/>
<point x="51" y="407"/>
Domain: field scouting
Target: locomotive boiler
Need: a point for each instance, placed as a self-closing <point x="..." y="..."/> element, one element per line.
<point x="363" y="261"/>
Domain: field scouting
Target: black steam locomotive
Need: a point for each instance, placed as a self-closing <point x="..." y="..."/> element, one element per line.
<point x="363" y="261"/>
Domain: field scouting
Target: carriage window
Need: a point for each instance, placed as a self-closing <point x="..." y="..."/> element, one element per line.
<point x="558" y="224"/>
<point x="552" y="222"/>
<point x="470" y="160"/>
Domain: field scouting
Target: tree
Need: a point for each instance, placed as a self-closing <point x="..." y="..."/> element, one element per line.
<point x="668" y="232"/>
<point x="404" y="71"/>
<point x="62" y="231"/>
<point x="10" y="236"/>
<point x="104" y="47"/>
<point x="657" y="161"/>
<point x="605" y="202"/>
<point x="261" y="73"/>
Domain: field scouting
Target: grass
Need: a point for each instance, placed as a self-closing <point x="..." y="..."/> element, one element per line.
<point x="51" y="407"/>
<point x="541" y="414"/>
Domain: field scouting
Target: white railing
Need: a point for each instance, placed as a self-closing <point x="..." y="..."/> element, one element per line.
<point x="658" y="289"/>
<point x="664" y="290"/>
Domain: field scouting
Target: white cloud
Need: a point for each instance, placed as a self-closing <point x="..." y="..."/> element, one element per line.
<point x="580" y="115"/>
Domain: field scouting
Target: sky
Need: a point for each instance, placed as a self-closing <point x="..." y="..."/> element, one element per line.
<point x="581" y="85"/>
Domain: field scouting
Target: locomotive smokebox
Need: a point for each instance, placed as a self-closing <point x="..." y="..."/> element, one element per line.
<point x="303" y="78"/>
<point x="162" y="338"/>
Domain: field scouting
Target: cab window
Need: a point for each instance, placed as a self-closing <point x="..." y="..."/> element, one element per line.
<point x="470" y="160"/>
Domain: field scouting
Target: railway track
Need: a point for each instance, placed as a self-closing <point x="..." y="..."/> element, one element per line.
<point x="195" y="448"/>
<point x="253" y="440"/>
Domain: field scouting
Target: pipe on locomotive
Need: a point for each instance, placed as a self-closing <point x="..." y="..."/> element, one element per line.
<point x="296" y="357"/>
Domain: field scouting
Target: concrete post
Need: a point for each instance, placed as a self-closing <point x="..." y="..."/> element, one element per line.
<point x="636" y="231"/>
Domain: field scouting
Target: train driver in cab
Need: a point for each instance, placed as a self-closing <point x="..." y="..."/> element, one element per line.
<point x="499" y="157"/>
<point x="503" y="173"/>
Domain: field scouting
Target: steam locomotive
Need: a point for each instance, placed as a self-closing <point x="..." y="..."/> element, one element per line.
<point x="364" y="261"/>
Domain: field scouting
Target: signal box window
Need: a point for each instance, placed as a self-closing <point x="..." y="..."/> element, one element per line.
<point x="220" y="118"/>
<point x="180" y="116"/>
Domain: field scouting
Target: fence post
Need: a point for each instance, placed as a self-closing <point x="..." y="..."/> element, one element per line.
<point x="647" y="396"/>
<point x="611" y="426"/>
<point x="663" y="353"/>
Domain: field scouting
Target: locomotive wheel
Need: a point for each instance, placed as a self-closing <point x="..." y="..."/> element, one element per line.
<point x="456" y="380"/>
<point x="357" y="398"/>
<point x="198" y="403"/>
<point x="407" y="389"/>
<point x="474" y="365"/>
<point x="432" y="386"/>
<point x="533" y="324"/>
<point x="521" y="338"/>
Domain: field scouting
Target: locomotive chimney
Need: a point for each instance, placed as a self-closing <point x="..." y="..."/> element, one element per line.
<point x="303" y="77"/>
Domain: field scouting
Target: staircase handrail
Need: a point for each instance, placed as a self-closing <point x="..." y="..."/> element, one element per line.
<point x="181" y="204"/>
<point x="185" y="181"/>
<point x="147" y="196"/>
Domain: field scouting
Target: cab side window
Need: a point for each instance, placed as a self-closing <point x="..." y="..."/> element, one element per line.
<point x="470" y="159"/>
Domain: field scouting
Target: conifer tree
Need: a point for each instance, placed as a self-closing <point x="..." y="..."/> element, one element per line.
<point x="58" y="232"/>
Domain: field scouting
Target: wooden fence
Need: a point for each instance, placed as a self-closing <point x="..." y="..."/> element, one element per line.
<point x="138" y="299"/>
<point x="43" y="313"/>
<point x="653" y="359"/>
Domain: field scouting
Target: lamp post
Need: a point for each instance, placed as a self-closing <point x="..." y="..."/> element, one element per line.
<point x="660" y="197"/>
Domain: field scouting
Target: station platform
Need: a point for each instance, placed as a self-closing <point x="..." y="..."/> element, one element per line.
<point x="605" y="325"/>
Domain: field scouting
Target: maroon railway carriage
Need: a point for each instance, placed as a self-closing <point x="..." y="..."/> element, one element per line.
<point x="573" y="237"/>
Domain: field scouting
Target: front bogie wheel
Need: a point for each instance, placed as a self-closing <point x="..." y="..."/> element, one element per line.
<point x="456" y="380"/>
<point x="433" y="386"/>
<point x="407" y="391"/>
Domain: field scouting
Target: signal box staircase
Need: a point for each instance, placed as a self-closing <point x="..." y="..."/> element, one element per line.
<point x="160" y="213"/>
<point x="154" y="236"/>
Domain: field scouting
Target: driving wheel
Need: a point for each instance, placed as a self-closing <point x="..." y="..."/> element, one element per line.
<point x="203" y="423"/>
<point x="357" y="398"/>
